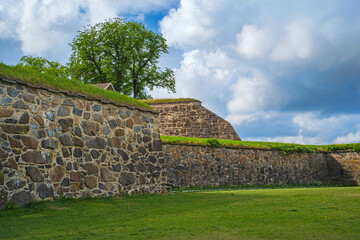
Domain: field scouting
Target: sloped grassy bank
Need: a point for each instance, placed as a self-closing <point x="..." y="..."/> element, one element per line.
<point x="24" y="75"/>
<point x="284" y="147"/>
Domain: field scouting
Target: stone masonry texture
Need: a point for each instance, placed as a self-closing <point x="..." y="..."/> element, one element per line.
<point x="191" y="119"/>
<point x="201" y="166"/>
<point x="54" y="144"/>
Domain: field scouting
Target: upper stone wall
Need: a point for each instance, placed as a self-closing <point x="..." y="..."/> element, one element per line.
<point x="56" y="144"/>
<point x="191" y="119"/>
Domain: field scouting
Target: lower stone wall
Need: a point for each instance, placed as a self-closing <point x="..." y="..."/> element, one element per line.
<point x="200" y="166"/>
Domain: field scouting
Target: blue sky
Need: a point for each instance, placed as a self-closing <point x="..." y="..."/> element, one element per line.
<point x="278" y="70"/>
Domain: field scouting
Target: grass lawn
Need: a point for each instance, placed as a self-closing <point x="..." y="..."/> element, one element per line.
<point x="298" y="213"/>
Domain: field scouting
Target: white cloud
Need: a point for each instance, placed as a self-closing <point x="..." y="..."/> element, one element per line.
<point x="252" y="42"/>
<point x="353" y="137"/>
<point x="190" y="24"/>
<point x="295" y="44"/>
<point x="253" y="97"/>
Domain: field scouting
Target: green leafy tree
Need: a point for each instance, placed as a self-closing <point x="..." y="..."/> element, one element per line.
<point x="43" y="65"/>
<point x="123" y="53"/>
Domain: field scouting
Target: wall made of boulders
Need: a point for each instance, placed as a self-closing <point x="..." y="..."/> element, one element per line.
<point x="206" y="166"/>
<point x="58" y="144"/>
<point x="191" y="119"/>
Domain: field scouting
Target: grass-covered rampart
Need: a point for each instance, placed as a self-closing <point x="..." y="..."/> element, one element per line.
<point x="284" y="147"/>
<point x="35" y="78"/>
<point x="169" y="100"/>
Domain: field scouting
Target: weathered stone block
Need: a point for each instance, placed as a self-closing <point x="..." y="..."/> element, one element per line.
<point x="77" y="111"/>
<point x="75" y="176"/>
<point x="63" y="111"/>
<point x="90" y="128"/>
<point x="126" y="179"/>
<point x="57" y="174"/>
<point x="66" y="124"/>
<point x="65" y="140"/>
<point x="20" y="104"/>
<point x="44" y="190"/>
<point x="11" y="163"/>
<point x="119" y="132"/>
<point x="22" y="198"/>
<point x="78" y="152"/>
<point x="129" y="123"/>
<point x="114" y="142"/>
<point x="24" y="118"/>
<point x="12" y="92"/>
<point x="14" y="143"/>
<point x="6" y="112"/>
<point x="97" y="142"/>
<point x="3" y="154"/>
<point x="33" y="157"/>
<point x="98" y="118"/>
<point x="116" y="167"/>
<point x="3" y="198"/>
<point x="29" y="142"/>
<point x="90" y="168"/>
<point x="39" y="119"/>
<point x="78" y="142"/>
<point x="123" y="154"/>
<point x="106" y="175"/>
<point x="15" y="184"/>
<point x="49" y="144"/>
<point x="91" y="182"/>
<point x="28" y="98"/>
<point x="15" y="129"/>
<point x="35" y="174"/>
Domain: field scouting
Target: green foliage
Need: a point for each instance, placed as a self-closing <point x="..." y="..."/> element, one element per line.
<point x="321" y="213"/>
<point x="213" y="142"/>
<point x="286" y="148"/>
<point x="44" y="66"/>
<point x="169" y="100"/>
<point x="32" y="76"/>
<point x="124" y="53"/>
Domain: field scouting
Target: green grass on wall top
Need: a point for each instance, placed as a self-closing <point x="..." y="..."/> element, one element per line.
<point x="18" y="73"/>
<point x="169" y="100"/>
<point x="284" y="147"/>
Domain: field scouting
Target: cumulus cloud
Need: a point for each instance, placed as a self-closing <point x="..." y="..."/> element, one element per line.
<point x="296" y="43"/>
<point x="190" y="24"/>
<point x="252" y="42"/>
<point x="296" y="63"/>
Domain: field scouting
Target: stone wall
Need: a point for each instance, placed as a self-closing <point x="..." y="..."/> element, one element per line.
<point x="55" y="144"/>
<point x="200" y="166"/>
<point x="191" y="119"/>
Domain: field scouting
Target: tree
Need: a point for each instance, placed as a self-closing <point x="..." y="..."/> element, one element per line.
<point x="124" y="53"/>
<point x="44" y="66"/>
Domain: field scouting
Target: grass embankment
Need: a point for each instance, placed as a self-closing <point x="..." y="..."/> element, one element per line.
<point x="35" y="78"/>
<point x="284" y="147"/>
<point x="169" y="100"/>
<point x="315" y="213"/>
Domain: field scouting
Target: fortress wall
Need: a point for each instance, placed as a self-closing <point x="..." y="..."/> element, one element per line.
<point x="54" y="144"/>
<point x="200" y="166"/>
<point x="191" y="119"/>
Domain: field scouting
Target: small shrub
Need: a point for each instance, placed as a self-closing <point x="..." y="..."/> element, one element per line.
<point x="213" y="142"/>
